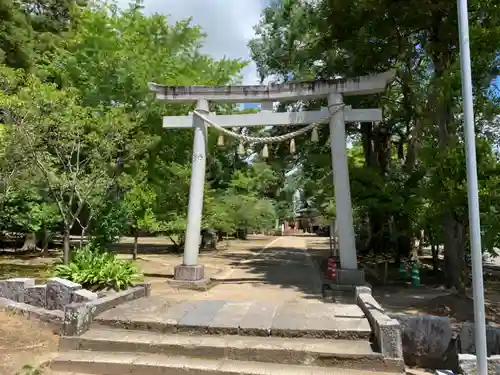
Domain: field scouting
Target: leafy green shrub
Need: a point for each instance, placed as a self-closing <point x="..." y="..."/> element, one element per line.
<point x="96" y="270"/>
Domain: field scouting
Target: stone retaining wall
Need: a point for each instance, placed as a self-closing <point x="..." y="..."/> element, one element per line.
<point x="65" y="305"/>
<point x="54" y="295"/>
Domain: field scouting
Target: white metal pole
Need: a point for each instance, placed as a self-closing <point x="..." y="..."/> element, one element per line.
<point x="472" y="190"/>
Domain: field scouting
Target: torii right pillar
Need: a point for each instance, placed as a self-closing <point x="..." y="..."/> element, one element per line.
<point x="349" y="273"/>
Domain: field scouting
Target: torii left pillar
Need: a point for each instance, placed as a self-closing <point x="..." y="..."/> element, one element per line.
<point x="190" y="272"/>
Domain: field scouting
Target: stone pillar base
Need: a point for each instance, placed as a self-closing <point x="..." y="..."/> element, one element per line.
<point x="350" y="276"/>
<point x="189" y="276"/>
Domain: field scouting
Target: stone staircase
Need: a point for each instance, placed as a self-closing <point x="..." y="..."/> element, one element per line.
<point x="219" y="341"/>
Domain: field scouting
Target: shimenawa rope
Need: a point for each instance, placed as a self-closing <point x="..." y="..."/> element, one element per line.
<point x="275" y="139"/>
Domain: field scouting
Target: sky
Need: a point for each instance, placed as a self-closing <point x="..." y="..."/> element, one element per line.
<point x="227" y="23"/>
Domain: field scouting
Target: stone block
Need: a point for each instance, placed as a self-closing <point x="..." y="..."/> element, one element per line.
<point x="189" y="273"/>
<point x="426" y="341"/>
<point x="15" y="288"/>
<point x="362" y="290"/>
<point x="60" y="292"/>
<point x="467" y="341"/>
<point x="77" y="319"/>
<point x="83" y="295"/>
<point x="36" y="295"/>
<point x="389" y="334"/>
<point x="350" y="276"/>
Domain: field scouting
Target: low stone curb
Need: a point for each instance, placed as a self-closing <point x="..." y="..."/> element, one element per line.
<point x="79" y="316"/>
<point x="387" y="331"/>
<point x="54" y="318"/>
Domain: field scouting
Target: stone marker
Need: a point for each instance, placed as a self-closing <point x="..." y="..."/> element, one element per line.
<point x="36" y="295"/>
<point x="15" y="288"/>
<point x="83" y="295"/>
<point x="60" y="292"/>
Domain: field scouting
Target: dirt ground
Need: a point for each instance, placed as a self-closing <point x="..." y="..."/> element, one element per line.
<point x="431" y="298"/>
<point x="24" y="342"/>
<point x="158" y="265"/>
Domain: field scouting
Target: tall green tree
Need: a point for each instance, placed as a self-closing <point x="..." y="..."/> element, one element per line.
<point x="110" y="57"/>
<point x="74" y="149"/>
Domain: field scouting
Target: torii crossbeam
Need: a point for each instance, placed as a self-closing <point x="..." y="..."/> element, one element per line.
<point x="190" y="271"/>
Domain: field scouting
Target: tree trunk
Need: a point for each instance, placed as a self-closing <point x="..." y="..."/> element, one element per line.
<point x="45" y="244"/>
<point x="241" y="234"/>
<point x="421" y="238"/>
<point x="29" y="242"/>
<point x="82" y="237"/>
<point x="66" y="246"/>
<point x="136" y="240"/>
<point x="454" y="251"/>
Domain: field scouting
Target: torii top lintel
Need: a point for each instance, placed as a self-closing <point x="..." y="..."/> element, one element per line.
<point x="364" y="85"/>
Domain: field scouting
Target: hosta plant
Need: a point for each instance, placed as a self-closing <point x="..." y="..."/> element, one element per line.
<point x="96" y="270"/>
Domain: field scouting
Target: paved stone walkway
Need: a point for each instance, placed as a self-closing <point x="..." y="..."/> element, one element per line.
<point x="281" y="271"/>
<point x="257" y="318"/>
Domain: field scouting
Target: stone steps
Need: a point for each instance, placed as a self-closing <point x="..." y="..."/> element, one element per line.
<point x="351" y="354"/>
<point x="163" y="336"/>
<point x="105" y="363"/>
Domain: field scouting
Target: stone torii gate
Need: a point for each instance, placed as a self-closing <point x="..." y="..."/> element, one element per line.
<point x="190" y="271"/>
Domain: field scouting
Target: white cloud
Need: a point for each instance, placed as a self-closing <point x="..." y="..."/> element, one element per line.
<point x="227" y="23"/>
